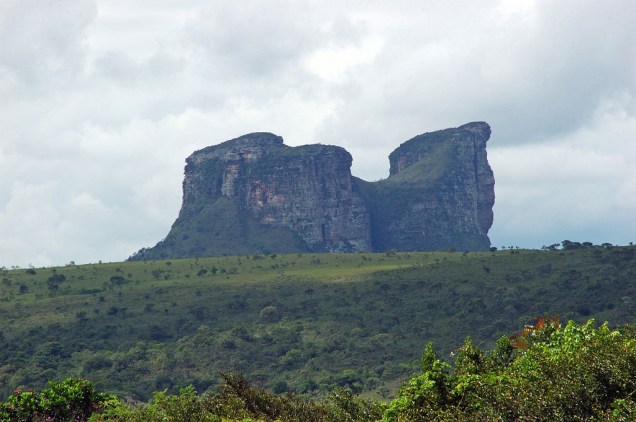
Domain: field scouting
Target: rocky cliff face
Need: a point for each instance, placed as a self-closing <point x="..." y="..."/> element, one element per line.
<point x="254" y="194"/>
<point x="439" y="194"/>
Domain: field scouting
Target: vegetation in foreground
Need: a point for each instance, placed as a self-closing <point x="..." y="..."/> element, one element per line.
<point x="303" y="324"/>
<point x="546" y="372"/>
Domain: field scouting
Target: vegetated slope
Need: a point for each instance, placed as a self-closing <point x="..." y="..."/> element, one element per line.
<point x="296" y="322"/>
<point x="550" y="371"/>
<point x="232" y="230"/>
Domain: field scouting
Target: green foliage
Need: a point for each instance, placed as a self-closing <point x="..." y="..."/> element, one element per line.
<point x="428" y="358"/>
<point x="185" y="406"/>
<point x="546" y="372"/>
<point x="576" y="372"/>
<point x="313" y="322"/>
<point x="501" y="356"/>
<point x="470" y="360"/>
<point x="423" y="394"/>
<point x="238" y="400"/>
<point x="69" y="400"/>
<point x="55" y="280"/>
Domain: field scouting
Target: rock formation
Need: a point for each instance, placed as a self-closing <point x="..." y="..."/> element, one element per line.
<point x="439" y="194"/>
<point x="254" y="194"/>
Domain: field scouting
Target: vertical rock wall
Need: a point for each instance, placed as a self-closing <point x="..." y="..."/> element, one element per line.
<point x="254" y="193"/>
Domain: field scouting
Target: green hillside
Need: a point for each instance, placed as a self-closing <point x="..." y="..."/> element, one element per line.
<point x="230" y="227"/>
<point x="302" y="323"/>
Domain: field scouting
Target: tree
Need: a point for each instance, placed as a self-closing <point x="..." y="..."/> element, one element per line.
<point x="71" y="399"/>
<point x="547" y="372"/>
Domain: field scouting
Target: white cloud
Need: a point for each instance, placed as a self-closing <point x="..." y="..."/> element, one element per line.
<point x="332" y="62"/>
<point x="41" y="50"/>
<point x="102" y="101"/>
<point x="576" y="186"/>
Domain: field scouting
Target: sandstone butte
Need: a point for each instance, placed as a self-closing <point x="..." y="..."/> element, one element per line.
<point x="254" y="194"/>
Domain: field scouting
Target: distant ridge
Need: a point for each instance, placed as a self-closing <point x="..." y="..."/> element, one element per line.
<point x="253" y="194"/>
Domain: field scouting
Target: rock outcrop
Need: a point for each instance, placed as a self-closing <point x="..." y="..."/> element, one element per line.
<point x="254" y="194"/>
<point x="439" y="194"/>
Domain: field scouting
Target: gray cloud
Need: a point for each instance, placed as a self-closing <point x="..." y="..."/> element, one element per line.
<point x="253" y="39"/>
<point x="41" y="49"/>
<point x="101" y="103"/>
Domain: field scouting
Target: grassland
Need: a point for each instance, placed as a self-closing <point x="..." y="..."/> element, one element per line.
<point x="300" y="322"/>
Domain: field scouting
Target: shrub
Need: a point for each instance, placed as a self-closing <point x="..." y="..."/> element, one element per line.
<point x="71" y="399"/>
<point x="576" y="372"/>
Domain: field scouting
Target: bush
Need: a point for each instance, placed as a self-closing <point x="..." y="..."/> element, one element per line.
<point x="71" y="399"/>
<point x="576" y="372"/>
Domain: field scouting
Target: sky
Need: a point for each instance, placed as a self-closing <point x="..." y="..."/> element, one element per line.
<point x="101" y="101"/>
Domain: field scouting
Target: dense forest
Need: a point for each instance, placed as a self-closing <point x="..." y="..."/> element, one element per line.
<point x="299" y="324"/>
<point x="545" y="372"/>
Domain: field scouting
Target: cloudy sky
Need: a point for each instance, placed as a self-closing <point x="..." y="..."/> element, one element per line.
<point x="102" y="100"/>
